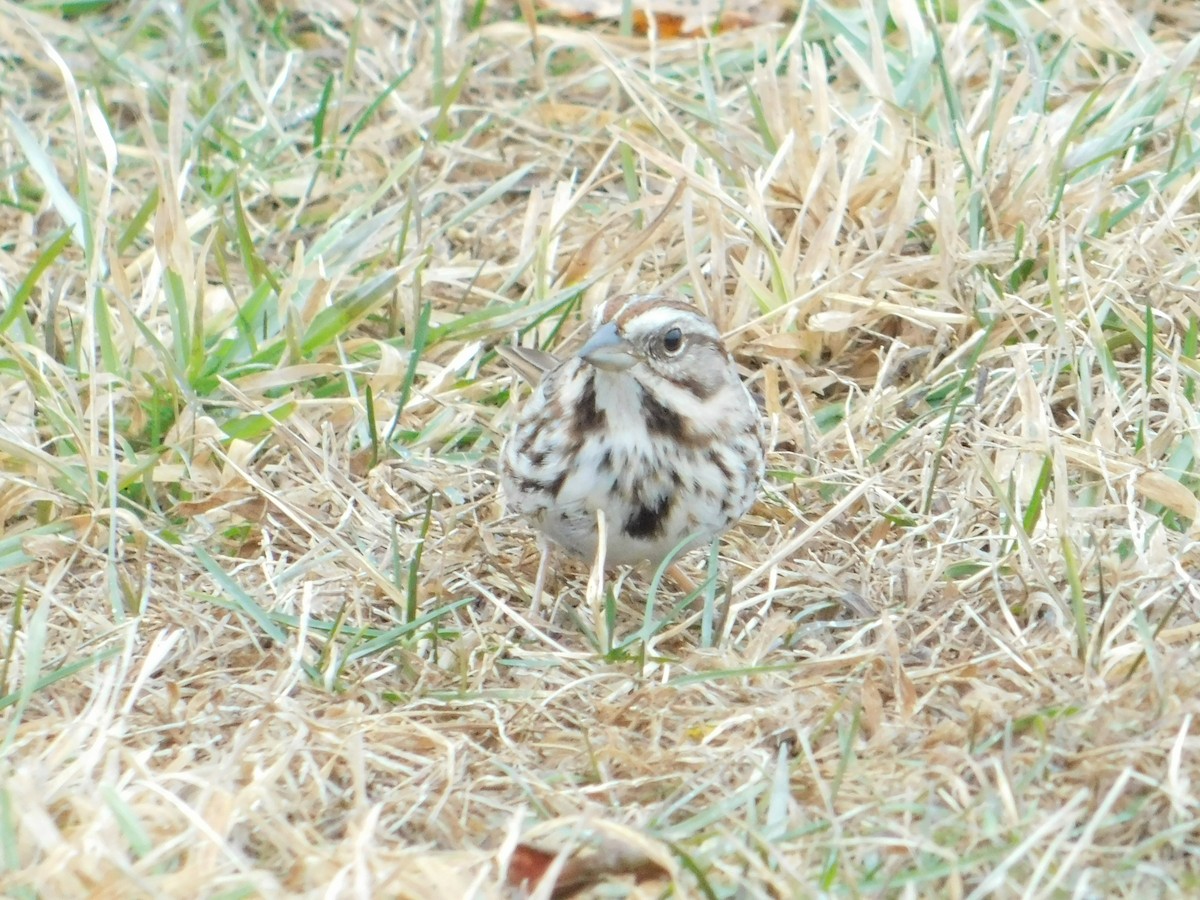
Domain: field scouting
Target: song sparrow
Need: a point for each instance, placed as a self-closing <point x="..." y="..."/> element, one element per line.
<point x="649" y="422"/>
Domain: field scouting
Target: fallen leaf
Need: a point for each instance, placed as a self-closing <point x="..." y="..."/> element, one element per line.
<point x="672" y="18"/>
<point x="529" y="865"/>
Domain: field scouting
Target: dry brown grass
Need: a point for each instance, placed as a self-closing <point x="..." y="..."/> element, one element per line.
<point x="239" y="659"/>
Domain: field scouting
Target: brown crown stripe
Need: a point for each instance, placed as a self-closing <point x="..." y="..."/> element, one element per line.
<point x="624" y="307"/>
<point x="632" y="312"/>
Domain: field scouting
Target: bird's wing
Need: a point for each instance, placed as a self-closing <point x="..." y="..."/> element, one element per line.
<point x="529" y="362"/>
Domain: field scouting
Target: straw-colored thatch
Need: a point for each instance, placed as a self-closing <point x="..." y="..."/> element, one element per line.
<point x="266" y="630"/>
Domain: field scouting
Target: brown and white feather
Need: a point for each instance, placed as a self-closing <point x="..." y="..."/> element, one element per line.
<point x="651" y="423"/>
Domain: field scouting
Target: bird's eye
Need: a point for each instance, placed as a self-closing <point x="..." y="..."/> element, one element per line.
<point x="673" y="340"/>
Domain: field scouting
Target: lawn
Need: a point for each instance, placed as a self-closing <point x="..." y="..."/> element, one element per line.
<point x="264" y="627"/>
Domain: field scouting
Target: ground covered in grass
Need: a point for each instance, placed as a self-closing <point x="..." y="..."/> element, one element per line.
<point x="265" y="627"/>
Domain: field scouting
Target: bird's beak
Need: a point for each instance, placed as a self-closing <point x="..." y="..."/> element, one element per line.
<point x="606" y="349"/>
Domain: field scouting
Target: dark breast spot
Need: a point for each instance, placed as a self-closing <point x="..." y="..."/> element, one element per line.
<point x="648" y="520"/>
<point x="586" y="418"/>
<point x="661" y="419"/>
<point x="715" y="458"/>
<point x="556" y="483"/>
<point x="534" y="486"/>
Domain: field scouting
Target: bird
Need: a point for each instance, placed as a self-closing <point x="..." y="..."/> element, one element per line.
<point x="649" y="423"/>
